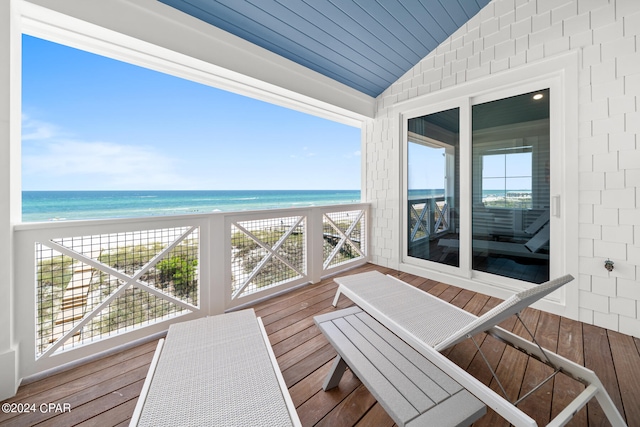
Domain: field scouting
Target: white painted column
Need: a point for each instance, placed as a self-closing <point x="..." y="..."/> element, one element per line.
<point x="217" y="259"/>
<point x="10" y="187"/>
<point x="315" y="245"/>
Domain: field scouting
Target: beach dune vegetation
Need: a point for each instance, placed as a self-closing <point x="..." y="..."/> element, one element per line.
<point x="130" y="258"/>
<point x="249" y="254"/>
<point x="176" y="274"/>
<point x="179" y="271"/>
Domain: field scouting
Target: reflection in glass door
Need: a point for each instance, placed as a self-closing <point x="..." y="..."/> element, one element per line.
<point x="433" y="187"/>
<point x="511" y="183"/>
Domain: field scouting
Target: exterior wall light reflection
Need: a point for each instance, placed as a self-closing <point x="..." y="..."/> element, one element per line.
<point x="538" y="96"/>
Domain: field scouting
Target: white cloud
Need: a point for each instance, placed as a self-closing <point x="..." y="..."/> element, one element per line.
<point x="36" y="130"/>
<point x="52" y="161"/>
<point x="100" y="165"/>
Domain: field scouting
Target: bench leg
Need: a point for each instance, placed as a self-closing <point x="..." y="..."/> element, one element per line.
<point x="337" y="370"/>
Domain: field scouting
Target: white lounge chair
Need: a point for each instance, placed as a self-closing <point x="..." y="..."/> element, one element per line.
<point x="215" y="371"/>
<point x="431" y="325"/>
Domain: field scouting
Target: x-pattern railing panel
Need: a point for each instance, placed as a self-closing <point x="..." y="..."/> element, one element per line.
<point x="267" y="253"/>
<point x="428" y="218"/>
<point x="118" y="277"/>
<point x="419" y="222"/>
<point x="107" y="283"/>
<point x="442" y="221"/>
<point x="343" y="237"/>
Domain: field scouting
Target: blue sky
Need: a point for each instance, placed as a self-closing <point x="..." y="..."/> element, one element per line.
<point x="426" y="168"/>
<point x="93" y="123"/>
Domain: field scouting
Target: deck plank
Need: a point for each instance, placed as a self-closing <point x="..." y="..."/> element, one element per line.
<point x="75" y="392"/>
<point x="538" y="404"/>
<point x="375" y="417"/>
<point x="104" y="392"/>
<point x="627" y="359"/>
<point x="597" y="357"/>
<point x="321" y="403"/>
<point x="115" y="415"/>
<point x="565" y="389"/>
<point x="303" y="368"/>
<point x="350" y="410"/>
<point x="96" y="406"/>
<point x="54" y="381"/>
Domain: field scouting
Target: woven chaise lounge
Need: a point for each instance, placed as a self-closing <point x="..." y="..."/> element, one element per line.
<point x="430" y="325"/>
<point x="215" y="371"/>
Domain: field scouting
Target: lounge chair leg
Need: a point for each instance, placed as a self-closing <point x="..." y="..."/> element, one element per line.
<point x="337" y="370"/>
<point x="535" y="341"/>
<point x="495" y="377"/>
<point x="613" y="415"/>
<point x="336" y="298"/>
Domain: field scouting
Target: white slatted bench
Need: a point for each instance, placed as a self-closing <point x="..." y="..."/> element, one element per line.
<point x="431" y="325"/>
<point x="412" y="390"/>
<point x="215" y="371"/>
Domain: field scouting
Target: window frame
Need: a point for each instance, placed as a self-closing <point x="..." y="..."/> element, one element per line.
<point x="504" y="176"/>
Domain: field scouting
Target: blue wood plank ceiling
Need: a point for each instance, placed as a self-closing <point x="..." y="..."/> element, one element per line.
<point x="364" y="44"/>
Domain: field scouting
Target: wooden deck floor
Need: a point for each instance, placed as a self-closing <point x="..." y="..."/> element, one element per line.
<point x="104" y="392"/>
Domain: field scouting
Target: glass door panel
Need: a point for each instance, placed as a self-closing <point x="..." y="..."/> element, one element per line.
<point x="433" y="187"/>
<point x="510" y="190"/>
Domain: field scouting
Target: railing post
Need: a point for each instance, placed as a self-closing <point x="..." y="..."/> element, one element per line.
<point x="431" y="220"/>
<point x="315" y="243"/>
<point x="217" y="260"/>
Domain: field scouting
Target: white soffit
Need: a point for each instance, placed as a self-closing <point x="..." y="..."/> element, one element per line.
<point x="156" y="36"/>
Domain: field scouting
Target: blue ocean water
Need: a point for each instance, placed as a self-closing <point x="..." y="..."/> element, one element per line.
<point x="73" y="205"/>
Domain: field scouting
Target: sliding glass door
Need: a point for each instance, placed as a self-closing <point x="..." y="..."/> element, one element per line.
<point x="433" y="187"/>
<point x="511" y="181"/>
<point x="500" y="222"/>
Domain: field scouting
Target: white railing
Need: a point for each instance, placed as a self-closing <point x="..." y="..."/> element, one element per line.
<point x="84" y="287"/>
<point x="428" y="218"/>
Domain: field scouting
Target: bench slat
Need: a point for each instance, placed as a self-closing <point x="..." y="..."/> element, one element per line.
<point x="461" y="409"/>
<point x="433" y="372"/>
<point x="382" y="389"/>
<point x="412" y="393"/>
<point x="378" y="339"/>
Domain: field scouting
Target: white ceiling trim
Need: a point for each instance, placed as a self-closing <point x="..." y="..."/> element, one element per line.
<point x="152" y="35"/>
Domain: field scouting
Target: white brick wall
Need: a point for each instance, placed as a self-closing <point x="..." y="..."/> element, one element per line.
<point x="508" y="34"/>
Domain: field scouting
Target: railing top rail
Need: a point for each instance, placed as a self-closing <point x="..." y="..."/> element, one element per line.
<point x="426" y="199"/>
